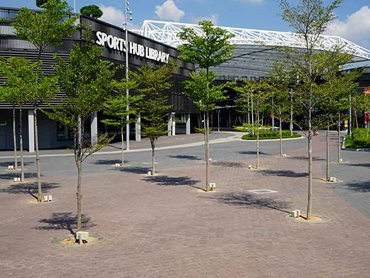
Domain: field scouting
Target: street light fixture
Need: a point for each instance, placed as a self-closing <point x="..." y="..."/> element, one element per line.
<point x="128" y="17"/>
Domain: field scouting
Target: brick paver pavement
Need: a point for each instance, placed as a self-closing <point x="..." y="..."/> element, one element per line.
<point x="166" y="227"/>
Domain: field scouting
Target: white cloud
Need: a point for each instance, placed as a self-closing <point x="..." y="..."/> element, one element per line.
<point x="112" y="15"/>
<point x="213" y="18"/>
<point x="169" y="11"/>
<point x="355" y="28"/>
<point x="115" y="16"/>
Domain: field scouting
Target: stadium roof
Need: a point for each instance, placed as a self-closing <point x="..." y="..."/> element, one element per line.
<point x="255" y="50"/>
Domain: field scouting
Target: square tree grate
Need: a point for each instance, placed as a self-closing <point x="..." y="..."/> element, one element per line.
<point x="262" y="191"/>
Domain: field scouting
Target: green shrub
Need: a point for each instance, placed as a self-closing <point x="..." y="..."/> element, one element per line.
<point x="360" y="139"/>
<point x="270" y="134"/>
<point x="201" y="130"/>
<point x="250" y="127"/>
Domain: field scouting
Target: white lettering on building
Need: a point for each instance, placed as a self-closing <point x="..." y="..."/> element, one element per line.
<point x="136" y="49"/>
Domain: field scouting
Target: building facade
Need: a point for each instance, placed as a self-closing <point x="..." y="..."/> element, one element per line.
<point x="141" y="50"/>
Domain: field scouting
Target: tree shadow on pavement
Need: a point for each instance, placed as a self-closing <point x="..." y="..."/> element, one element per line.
<point x="358" y="186"/>
<point x="252" y="153"/>
<point x="283" y="173"/>
<point x="182" y="156"/>
<point x="7" y="163"/>
<point x="252" y="201"/>
<point x="315" y="158"/>
<point x="367" y="165"/>
<point x="172" y="181"/>
<point x="16" y="174"/>
<point x="28" y="188"/>
<point x="135" y="170"/>
<point x="111" y="162"/>
<point x="229" y="164"/>
<point x="64" y="221"/>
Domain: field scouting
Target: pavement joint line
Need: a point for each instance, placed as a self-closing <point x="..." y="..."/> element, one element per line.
<point x="196" y="144"/>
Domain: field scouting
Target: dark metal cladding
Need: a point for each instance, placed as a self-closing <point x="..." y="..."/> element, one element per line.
<point x="11" y="46"/>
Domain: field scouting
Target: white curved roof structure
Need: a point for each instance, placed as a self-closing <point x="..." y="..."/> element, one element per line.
<point x="166" y="32"/>
<point x="255" y="50"/>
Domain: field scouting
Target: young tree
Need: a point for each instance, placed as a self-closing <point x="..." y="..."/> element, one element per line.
<point x="260" y="92"/>
<point x="116" y="108"/>
<point x="152" y="84"/>
<point x="204" y="94"/>
<point x="42" y="29"/>
<point x="86" y="80"/>
<point x="12" y="96"/>
<point x="21" y="77"/>
<point x="335" y="90"/>
<point x="92" y="10"/>
<point x="208" y="49"/>
<point x="309" y="19"/>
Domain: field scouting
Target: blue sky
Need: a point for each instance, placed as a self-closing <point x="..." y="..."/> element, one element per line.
<point x="353" y="17"/>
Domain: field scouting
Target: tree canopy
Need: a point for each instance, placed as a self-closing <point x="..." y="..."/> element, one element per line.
<point x="211" y="48"/>
<point x="92" y="11"/>
<point x="45" y="27"/>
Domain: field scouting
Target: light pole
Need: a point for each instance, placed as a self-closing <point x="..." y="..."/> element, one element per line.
<point x="128" y="17"/>
<point x="74" y="6"/>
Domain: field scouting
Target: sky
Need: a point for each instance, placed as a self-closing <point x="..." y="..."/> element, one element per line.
<point x="352" y="17"/>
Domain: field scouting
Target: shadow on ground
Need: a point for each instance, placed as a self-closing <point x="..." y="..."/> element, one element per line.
<point x="283" y="173"/>
<point x="16" y="174"/>
<point x="229" y="164"/>
<point x="366" y="165"/>
<point x="28" y="188"/>
<point x="64" y="221"/>
<point x="172" y="181"/>
<point x="135" y="170"/>
<point x="111" y="162"/>
<point x="252" y="201"/>
<point x="187" y="157"/>
<point x="358" y="186"/>
<point x="252" y="153"/>
<point x="7" y="163"/>
<point x="316" y="158"/>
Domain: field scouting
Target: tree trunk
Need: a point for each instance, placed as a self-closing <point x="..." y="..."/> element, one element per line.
<point x="15" y="140"/>
<point x="79" y="195"/>
<point x="21" y="142"/>
<point x="272" y="113"/>
<point x="339" y="145"/>
<point x="309" y="139"/>
<point x="78" y="159"/>
<point x="38" y="168"/>
<point x="291" y="114"/>
<point x="327" y="155"/>
<point x="153" y="158"/>
<point x="122" y="147"/>
<point x="281" y="136"/>
<point x="207" y="149"/>
<point x="258" y="143"/>
<point x="252" y="115"/>
<point x="356" y="118"/>
<point x="249" y="112"/>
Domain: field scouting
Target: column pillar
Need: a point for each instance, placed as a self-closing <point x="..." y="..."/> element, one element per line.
<point x="31" y="131"/>
<point x="169" y="124"/>
<point x="138" y="128"/>
<point x="94" y="128"/>
<point x="173" y="127"/>
<point x="188" y="124"/>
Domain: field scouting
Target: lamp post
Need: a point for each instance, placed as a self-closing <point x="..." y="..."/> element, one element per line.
<point x="74" y="6"/>
<point x="128" y="17"/>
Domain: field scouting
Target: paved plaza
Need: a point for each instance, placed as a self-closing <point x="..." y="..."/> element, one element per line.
<point x="166" y="226"/>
